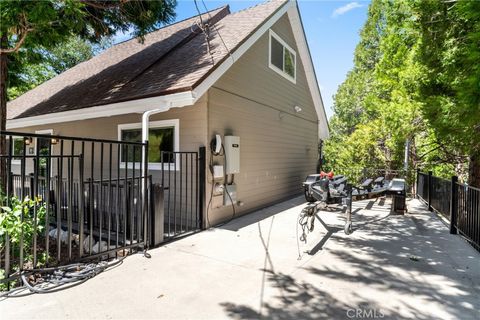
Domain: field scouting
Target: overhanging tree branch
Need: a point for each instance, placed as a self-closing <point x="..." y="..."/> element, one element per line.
<point x="19" y="43"/>
<point x="103" y="6"/>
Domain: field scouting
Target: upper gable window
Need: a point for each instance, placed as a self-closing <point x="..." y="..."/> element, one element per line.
<point x="282" y="57"/>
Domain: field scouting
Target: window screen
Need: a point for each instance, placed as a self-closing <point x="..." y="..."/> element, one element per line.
<point x="17" y="147"/>
<point x="276" y="54"/>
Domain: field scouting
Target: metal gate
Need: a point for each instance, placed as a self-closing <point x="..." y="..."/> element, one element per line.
<point x="69" y="199"/>
<point x="183" y="181"/>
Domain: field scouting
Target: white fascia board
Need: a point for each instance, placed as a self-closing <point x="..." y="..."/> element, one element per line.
<point x="134" y="106"/>
<point x="225" y="65"/>
<point x="302" y="45"/>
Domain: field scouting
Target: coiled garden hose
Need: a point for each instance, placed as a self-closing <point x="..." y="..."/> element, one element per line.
<point x="59" y="278"/>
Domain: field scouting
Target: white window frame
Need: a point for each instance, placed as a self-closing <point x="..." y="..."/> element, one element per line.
<point x="46" y="131"/>
<point x="16" y="161"/>
<point x="175" y="123"/>
<point x="281" y="72"/>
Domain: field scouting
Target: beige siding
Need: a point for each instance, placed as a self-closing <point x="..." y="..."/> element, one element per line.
<point x="278" y="146"/>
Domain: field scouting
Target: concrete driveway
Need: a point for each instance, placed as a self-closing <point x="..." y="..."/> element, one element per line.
<point x="391" y="267"/>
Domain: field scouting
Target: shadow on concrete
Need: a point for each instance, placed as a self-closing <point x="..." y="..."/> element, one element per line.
<point x="330" y="231"/>
<point x="301" y="300"/>
<point x="262" y="214"/>
<point x="398" y="259"/>
<point x="422" y="256"/>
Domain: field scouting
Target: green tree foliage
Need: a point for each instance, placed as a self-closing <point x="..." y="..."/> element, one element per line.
<point x="18" y="223"/>
<point x="411" y="81"/>
<point x="46" y="23"/>
<point x="450" y="84"/>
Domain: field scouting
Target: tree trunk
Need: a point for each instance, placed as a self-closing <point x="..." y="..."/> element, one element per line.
<point x="474" y="171"/>
<point x="3" y="112"/>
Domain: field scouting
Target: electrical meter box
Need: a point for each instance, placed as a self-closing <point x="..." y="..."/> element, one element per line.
<point x="230" y="194"/>
<point x="232" y="154"/>
<point x="217" y="171"/>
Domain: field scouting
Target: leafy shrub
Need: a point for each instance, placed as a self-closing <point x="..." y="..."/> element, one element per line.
<point x="16" y="220"/>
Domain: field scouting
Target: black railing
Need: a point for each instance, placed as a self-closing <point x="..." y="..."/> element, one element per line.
<point x="71" y="199"/>
<point x="183" y="176"/>
<point x="468" y="213"/>
<point x="457" y="202"/>
<point x="440" y="190"/>
<point x="422" y="186"/>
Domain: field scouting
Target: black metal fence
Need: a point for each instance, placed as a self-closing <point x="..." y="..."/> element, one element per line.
<point x="436" y="192"/>
<point x="69" y="199"/>
<point x="183" y="178"/>
<point x="467" y="212"/>
<point x="457" y="202"/>
<point x="422" y="186"/>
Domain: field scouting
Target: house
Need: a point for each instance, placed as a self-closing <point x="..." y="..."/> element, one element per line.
<point x="246" y="76"/>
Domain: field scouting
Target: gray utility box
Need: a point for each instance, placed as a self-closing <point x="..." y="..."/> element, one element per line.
<point x="232" y="154"/>
<point x="397" y="189"/>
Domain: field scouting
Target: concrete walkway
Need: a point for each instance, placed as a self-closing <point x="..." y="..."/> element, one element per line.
<point x="391" y="267"/>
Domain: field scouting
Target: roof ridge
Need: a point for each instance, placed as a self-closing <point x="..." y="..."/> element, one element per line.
<point x="257" y="5"/>
<point x="195" y="30"/>
<point x="174" y="23"/>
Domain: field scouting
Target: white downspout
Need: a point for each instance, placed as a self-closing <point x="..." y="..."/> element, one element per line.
<point x="146" y="121"/>
<point x="145" y="128"/>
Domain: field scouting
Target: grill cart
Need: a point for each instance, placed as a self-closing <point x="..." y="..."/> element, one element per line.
<point x="397" y="189"/>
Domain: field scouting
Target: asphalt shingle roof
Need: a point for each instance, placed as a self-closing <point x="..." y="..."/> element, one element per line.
<point x="172" y="59"/>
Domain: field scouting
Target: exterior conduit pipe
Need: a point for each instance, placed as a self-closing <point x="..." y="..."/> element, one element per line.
<point x="145" y="128"/>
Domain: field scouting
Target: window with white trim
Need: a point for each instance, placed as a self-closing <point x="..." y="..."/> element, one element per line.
<point x="19" y="145"/>
<point x="163" y="136"/>
<point x="17" y="150"/>
<point x="44" y="148"/>
<point x="282" y="58"/>
<point x="44" y="144"/>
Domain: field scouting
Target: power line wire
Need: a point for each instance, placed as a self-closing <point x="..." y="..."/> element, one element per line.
<point x="218" y="32"/>
<point x="205" y="29"/>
